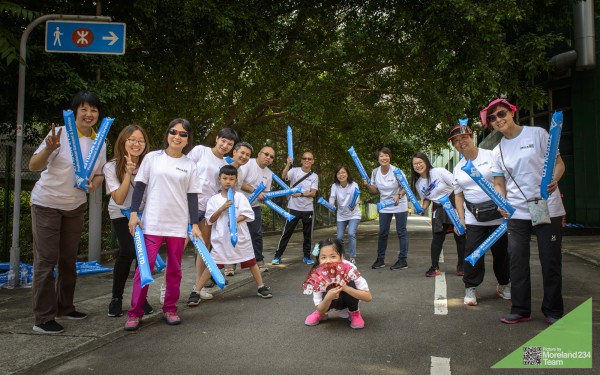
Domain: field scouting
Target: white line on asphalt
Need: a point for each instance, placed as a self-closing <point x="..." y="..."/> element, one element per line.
<point x="440" y="301"/>
<point x="440" y="366"/>
<point x="442" y="256"/>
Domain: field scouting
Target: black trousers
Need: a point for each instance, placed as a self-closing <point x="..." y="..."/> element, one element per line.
<point x="288" y="230"/>
<point x="436" y="248"/>
<point x="549" y="239"/>
<point x="255" y="229"/>
<point x="345" y="301"/>
<point x="476" y="234"/>
<point x="125" y="258"/>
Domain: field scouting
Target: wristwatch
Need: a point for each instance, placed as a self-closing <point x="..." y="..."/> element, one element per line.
<point x="301" y="194"/>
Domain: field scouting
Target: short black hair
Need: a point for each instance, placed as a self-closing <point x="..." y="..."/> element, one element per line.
<point x="228" y="170"/>
<point x="228" y="133"/>
<point x="243" y="144"/>
<point x="86" y="96"/>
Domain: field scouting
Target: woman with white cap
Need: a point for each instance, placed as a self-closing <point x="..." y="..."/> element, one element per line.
<point x="479" y="215"/>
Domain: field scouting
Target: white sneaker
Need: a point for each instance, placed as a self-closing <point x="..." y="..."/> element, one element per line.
<point x="163" y="290"/>
<point x="470" y="297"/>
<point x="503" y="291"/>
<point x="229" y="271"/>
<point x="341" y="313"/>
<point x="205" y="294"/>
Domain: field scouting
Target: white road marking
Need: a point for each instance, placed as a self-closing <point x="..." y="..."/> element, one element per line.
<point x="440" y="366"/>
<point x="440" y="300"/>
<point x="442" y="256"/>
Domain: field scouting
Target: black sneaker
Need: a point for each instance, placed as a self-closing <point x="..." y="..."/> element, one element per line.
<point x="379" y="263"/>
<point x="264" y="292"/>
<point x="399" y="265"/>
<point x="194" y="299"/>
<point x="115" y="308"/>
<point x="48" y="328"/>
<point x="73" y="315"/>
<point x="147" y="308"/>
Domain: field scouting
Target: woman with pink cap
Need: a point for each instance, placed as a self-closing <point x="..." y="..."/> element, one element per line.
<point x="479" y="215"/>
<point x="517" y="170"/>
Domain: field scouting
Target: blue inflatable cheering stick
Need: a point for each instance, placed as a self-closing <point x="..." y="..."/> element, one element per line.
<point x="232" y="217"/>
<point x="259" y="189"/>
<point x="290" y="145"/>
<point x="551" y="153"/>
<point x="453" y="215"/>
<point x="211" y="266"/>
<point x="359" y="165"/>
<point x="411" y="196"/>
<point x="326" y="204"/>
<point x="140" y="252"/>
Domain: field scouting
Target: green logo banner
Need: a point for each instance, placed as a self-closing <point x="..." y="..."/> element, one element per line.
<point x="565" y="344"/>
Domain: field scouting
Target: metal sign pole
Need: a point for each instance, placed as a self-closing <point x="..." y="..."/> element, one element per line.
<point x="15" y="251"/>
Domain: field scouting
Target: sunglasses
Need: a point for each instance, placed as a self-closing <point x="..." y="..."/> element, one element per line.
<point x="270" y="156"/>
<point x="182" y="134"/>
<point x="497" y="115"/>
<point x="307" y="158"/>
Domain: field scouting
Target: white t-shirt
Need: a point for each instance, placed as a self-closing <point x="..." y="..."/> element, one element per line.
<point x="208" y="166"/>
<point x="56" y="186"/>
<point x="440" y="182"/>
<point x="343" y="197"/>
<point x="223" y="251"/>
<point x="388" y="186"/>
<point x="309" y="183"/>
<point x="168" y="181"/>
<point x="524" y="157"/>
<point x="463" y="183"/>
<point x="361" y="284"/>
<point x="112" y="184"/>
<point x="254" y="175"/>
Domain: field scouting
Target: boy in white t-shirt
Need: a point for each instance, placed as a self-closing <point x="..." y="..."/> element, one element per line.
<point x="223" y="252"/>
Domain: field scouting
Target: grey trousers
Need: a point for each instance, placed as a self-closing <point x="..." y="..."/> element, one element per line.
<point x="56" y="236"/>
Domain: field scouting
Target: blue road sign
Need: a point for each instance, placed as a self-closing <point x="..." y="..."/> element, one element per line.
<point x="85" y="37"/>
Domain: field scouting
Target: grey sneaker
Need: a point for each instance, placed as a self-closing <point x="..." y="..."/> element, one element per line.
<point x="264" y="292"/>
<point x="503" y="291"/>
<point x="399" y="265"/>
<point x="194" y="299"/>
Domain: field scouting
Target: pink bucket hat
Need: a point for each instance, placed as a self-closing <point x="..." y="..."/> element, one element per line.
<point x="483" y="112"/>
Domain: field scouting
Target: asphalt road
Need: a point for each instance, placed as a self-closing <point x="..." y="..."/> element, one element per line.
<point x="240" y="333"/>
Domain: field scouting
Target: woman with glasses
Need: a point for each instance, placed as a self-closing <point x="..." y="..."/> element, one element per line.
<point x="119" y="173"/>
<point x="431" y="184"/>
<point x="171" y="184"/>
<point x="384" y="183"/>
<point x="518" y="164"/>
<point x="479" y="214"/>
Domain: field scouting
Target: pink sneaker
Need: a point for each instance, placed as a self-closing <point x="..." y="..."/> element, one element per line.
<point x="132" y="323"/>
<point x="314" y="318"/>
<point x="356" y="321"/>
<point x="171" y="318"/>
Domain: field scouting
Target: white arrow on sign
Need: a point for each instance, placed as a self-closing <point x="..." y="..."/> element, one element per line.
<point x="113" y="38"/>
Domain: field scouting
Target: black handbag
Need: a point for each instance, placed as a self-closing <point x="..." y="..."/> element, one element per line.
<point x="485" y="211"/>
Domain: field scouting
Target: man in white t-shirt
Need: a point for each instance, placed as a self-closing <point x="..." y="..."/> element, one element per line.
<point x="253" y="173"/>
<point x="300" y="205"/>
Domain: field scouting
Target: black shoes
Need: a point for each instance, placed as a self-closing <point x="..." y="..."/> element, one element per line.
<point x="73" y="315"/>
<point x="399" y="265"/>
<point x="514" y="318"/>
<point x="379" y="263"/>
<point x="48" y="328"/>
<point x="147" y="308"/>
<point x="115" y="308"/>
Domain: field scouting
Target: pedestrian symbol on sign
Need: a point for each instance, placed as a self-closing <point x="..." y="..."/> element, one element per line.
<point x="82" y="37"/>
<point x="57" y="35"/>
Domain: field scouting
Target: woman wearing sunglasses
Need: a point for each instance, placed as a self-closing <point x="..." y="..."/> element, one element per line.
<point x="431" y="184"/>
<point x="517" y="170"/>
<point x="479" y="214"/>
<point x="171" y="184"/>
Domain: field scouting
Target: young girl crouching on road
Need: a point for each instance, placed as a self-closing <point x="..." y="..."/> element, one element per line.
<point x="342" y="297"/>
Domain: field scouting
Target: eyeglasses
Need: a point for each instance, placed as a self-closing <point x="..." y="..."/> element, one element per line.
<point x="270" y="156"/>
<point x="307" y="158"/>
<point x="134" y="142"/>
<point x="497" y="115"/>
<point x="418" y="164"/>
<point x="182" y="134"/>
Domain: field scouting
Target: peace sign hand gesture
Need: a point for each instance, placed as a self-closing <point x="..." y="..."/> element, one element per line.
<point x="53" y="140"/>
<point x="129" y="165"/>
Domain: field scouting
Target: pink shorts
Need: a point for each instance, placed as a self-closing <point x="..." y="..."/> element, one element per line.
<point x="246" y="264"/>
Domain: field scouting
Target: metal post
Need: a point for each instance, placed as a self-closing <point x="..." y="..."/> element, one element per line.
<point x="7" y="170"/>
<point x="15" y="251"/>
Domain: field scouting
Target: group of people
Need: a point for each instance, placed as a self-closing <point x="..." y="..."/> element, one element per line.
<point x="181" y="184"/>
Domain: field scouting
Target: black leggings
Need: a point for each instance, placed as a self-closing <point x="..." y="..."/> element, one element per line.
<point x="125" y="258"/>
<point x="345" y="301"/>
<point x="436" y="248"/>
